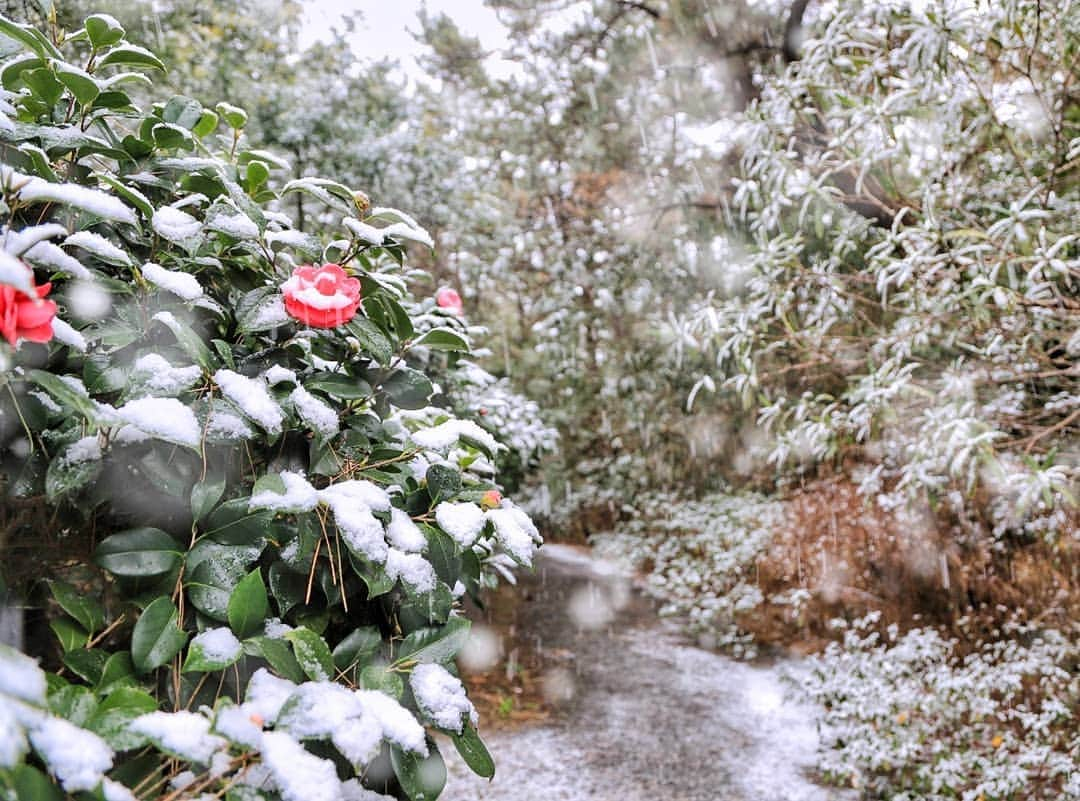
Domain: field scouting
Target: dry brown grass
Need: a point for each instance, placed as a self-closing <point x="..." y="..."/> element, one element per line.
<point x="855" y="558"/>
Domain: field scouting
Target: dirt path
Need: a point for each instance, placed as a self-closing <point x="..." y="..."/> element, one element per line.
<point x="645" y="715"/>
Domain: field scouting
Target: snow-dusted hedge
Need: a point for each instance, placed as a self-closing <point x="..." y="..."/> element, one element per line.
<point x="911" y="717"/>
<point x="699" y="557"/>
<point x="279" y="515"/>
<point x="907" y="256"/>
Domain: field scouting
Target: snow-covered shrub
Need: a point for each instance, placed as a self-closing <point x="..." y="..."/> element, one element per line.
<point x="916" y="717"/>
<point x="255" y="529"/>
<point x="699" y="558"/>
<point x="905" y="217"/>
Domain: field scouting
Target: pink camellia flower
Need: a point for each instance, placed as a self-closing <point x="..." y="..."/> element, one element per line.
<point x="26" y="318"/>
<point x="322" y="297"/>
<point x="449" y="299"/>
<point x="491" y="499"/>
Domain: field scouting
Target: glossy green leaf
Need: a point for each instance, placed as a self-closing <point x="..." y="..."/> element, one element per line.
<point x="139" y="553"/>
<point x="422" y="778"/>
<point x="156" y="638"/>
<point x="103" y="30"/>
<point x="312" y="653"/>
<point x="87" y="610"/>
<point x="474" y="752"/>
<point x="248" y="605"/>
<point x="443" y="339"/>
<point x="131" y="55"/>
<point x="436" y="644"/>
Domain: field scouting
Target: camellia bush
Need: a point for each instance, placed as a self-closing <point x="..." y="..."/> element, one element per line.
<point x="231" y="497"/>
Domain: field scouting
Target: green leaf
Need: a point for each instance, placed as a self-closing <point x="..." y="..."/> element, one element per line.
<point x="408" y="389"/>
<point x="86" y="610"/>
<point x="64" y="394"/>
<point x="214" y="572"/>
<point x="278" y="654"/>
<point x="443" y="482"/>
<point x="182" y="111"/>
<point x="287" y="587"/>
<point x="132" y="196"/>
<point x="258" y="173"/>
<point x="168" y="136"/>
<point x="89" y="664"/>
<point x="14" y="68"/>
<point x="207" y="124"/>
<point x="30" y="784"/>
<point x="339" y="386"/>
<point x="438" y="644"/>
<point x="118" y="670"/>
<point x="443" y="339"/>
<point x="312" y="653"/>
<point x="112" y="719"/>
<point x="250" y="309"/>
<point x="139" y="553"/>
<point x="233" y="524"/>
<point x="234" y="116"/>
<point x="205" y="495"/>
<point x="103" y="30"/>
<point x="371" y="339"/>
<point x="65" y="475"/>
<point x="74" y="703"/>
<point x="131" y="54"/>
<point x="199" y="661"/>
<point x="248" y="606"/>
<point x="156" y="638"/>
<point x="378" y="677"/>
<point x="443" y="554"/>
<point x="30" y="37"/>
<point x="189" y="341"/>
<point x="373" y="576"/>
<point x="474" y="752"/>
<point x="333" y="194"/>
<point x="422" y="778"/>
<point x="360" y="643"/>
<point x="78" y="82"/>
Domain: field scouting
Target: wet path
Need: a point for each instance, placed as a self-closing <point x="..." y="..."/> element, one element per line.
<point x="644" y="714"/>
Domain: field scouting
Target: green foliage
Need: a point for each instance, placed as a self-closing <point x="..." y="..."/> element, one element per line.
<point x="247" y="489"/>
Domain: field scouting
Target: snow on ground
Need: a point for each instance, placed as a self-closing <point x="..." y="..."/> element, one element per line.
<point x="650" y="716"/>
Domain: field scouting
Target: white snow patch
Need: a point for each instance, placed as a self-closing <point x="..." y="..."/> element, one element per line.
<point x="185" y="734"/>
<point x="20" y="677"/>
<point x="76" y="757"/>
<point x="398" y="724"/>
<point x="217" y="645"/>
<point x="182" y="285"/>
<point x="48" y="255"/>
<point x="279" y="375"/>
<point x="515" y="532"/>
<point x="412" y="568"/>
<point x="174" y="225"/>
<point x="66" y="335"/>
<point x="94" y="201"/>
<point x="163" y="418"/>
<point x="298" y="774"/>
<point x="403" y="533"/>
<point x="317" y="414"/>
<point x="441" y="697"/>
<point x="98" y="246"/>
<point x="299" y="495"/>
<point x="266" y="693"/>
<point x="446" y="435"/>
<point x="462" y="521"/>
<point x="156" y="374"/>
<point x="252" y="398"/>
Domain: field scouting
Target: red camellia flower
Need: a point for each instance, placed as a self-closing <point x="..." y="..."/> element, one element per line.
<point x="322" y="297"/>
<point x="26" y="318"/>
<point x="449" y="299"/>
<point x="491" y="499"/>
